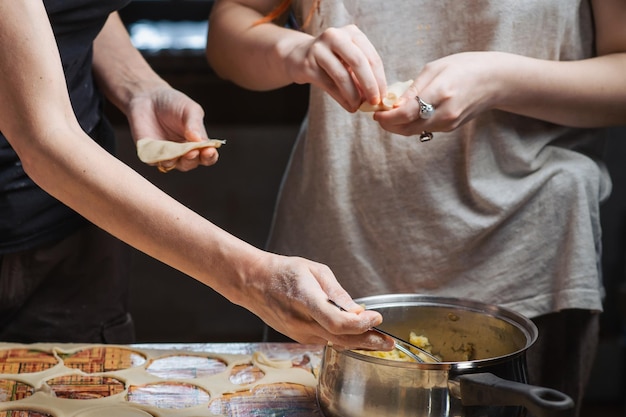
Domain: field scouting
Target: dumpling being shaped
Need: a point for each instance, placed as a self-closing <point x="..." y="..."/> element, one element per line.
<point x="394" y="92"/>
<point x="152" y="151"/>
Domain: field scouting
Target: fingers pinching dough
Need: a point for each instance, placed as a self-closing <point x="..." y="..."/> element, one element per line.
<point x="394" y="92"/>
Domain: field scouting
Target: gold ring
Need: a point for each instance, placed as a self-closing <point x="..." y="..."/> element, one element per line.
<point x="163" y="169"/>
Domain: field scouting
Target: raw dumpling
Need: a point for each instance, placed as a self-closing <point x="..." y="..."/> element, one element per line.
<point x="152" y="151"/>
<point x="394" y="92"/>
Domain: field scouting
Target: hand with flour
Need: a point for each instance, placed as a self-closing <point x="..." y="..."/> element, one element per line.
<point x="291" y="295"/>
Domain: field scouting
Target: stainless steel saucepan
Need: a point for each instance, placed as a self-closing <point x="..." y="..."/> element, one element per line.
<point x="483" y="372"/>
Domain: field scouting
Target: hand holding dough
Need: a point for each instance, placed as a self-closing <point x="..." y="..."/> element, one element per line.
<point x="152" y="151"/>
<point x="394" y="92"/>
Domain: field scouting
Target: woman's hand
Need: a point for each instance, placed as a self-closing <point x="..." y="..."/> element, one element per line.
<point x="167" y="114"/>
<point x="342" y="62"/>
<point x="291" y="295"/>
<point x="459" y="86"/>
<point x="154" y="109"/>
<point x="584" y="93"/>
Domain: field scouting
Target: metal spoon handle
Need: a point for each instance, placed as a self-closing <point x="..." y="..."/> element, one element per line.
<point x="401" y="348"/>
<point x="396" y="340"/>
<point x="408" y="353"/>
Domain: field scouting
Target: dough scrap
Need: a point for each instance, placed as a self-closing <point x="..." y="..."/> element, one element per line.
<point x="394" y="92"/>
<point x="152" y="151"/>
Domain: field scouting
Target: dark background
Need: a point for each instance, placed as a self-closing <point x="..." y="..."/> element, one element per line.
<point x="238" y="194"/>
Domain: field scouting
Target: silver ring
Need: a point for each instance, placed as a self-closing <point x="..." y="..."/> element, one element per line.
<point x="426" y="136"/>
<point x="426" y="110"/>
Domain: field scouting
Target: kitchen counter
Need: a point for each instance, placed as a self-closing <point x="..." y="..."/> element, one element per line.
<point x="159" y="380"/>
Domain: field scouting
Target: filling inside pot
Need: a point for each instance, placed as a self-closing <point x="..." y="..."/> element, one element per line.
<point x="453" y="333"/>
<point x="463" y="352"/>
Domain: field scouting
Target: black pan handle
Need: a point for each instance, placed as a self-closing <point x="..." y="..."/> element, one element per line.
<point x="487" y="389"/>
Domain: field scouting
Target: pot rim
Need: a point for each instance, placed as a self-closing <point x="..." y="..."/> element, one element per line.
<point x="522" y="323"/>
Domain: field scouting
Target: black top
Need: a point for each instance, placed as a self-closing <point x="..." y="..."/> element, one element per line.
<point x="28" y="215"/>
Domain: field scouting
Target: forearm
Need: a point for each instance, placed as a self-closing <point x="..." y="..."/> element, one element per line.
<point x="126" y="205"/>
<point x="119" y="68"/>
<point x="585" y="93"/>
<point x="251" y="56"/>
<point x="588" y="93"/>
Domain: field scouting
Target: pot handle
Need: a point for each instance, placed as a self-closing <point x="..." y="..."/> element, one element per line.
<point x="488" y="389"/>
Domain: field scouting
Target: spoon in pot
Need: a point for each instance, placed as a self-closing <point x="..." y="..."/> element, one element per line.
<point x="400" y="343"/>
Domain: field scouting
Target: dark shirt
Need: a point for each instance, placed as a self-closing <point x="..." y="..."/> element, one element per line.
<point x="28" y="215"/>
